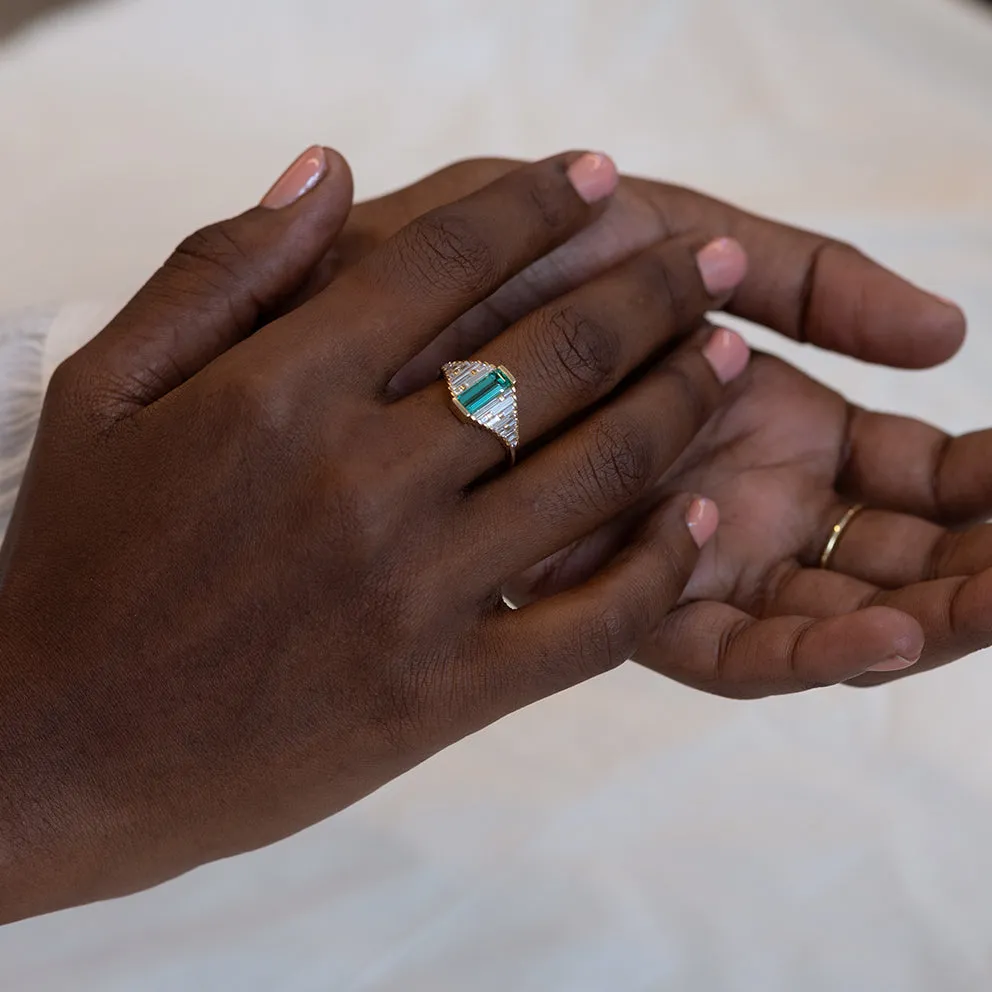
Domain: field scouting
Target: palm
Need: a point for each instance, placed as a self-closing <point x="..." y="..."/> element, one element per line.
<point x="769" y="459"/>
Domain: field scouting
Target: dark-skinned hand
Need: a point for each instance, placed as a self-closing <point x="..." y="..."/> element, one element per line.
<point x="784" y="458"/>
<point x="245" y="583"/>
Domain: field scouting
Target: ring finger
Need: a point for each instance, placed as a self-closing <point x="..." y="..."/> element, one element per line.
<point x="891" y="550"/>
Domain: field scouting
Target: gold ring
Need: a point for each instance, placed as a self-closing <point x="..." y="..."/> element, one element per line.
<point x="838" y="532"/>
<point x="486" y="395"/>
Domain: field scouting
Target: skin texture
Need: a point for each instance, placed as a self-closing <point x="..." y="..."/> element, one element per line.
<point x="784" y="458"/>
<point x="245" y="584"/>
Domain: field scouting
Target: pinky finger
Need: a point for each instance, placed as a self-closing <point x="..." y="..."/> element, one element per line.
<point x="596" y="626"/>
<point x="721" y="650"/>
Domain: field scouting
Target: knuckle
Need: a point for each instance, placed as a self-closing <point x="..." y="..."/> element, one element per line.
<point x="621" y="460"/>
<point x="811" y="284"/>
<point x="586" y="351"/>
<point x="719" y="677"/>
<point x="214" y="246"/>
<point x="606" y="643"/>
<point x="255" y="404"/>
<point x="212" y="262"/>
<point x="941" y="554"/>
<point x="446" y="248"/>
<point x="796" y="656"/>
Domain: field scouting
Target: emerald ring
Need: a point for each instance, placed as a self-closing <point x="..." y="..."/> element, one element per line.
<point x="487" y="395"/>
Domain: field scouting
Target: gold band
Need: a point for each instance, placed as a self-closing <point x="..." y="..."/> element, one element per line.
<point x="838" y="532"/>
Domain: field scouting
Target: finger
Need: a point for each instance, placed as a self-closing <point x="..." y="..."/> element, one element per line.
<point x="955" y="613"/>
<point x="892" y="550"/>
<point x="902" y="464"/>
<point x="818" y="290"/>
<point x="606" y="464"/>
<point x="570" y="354"/>
<point x="219" y="284"/>
<point x="804" y="285"/>
<point x="598" y="625"/>
<point x="444" y="262"/>
<point x="719" y="649"/>
<point x="574" y="564"/>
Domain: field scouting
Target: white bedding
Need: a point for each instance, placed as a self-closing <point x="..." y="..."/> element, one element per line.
<point x="631" y="834"/>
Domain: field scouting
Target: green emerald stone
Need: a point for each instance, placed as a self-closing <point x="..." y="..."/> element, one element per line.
<point x="482" y="392"/>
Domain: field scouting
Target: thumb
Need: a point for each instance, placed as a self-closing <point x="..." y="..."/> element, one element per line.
<point x="219" y="285"/>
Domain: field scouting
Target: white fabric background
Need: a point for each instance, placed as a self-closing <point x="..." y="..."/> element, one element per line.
<point x="630" y="834"/>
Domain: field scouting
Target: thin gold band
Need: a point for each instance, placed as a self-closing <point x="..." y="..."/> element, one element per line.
<point x="838" y="532"/>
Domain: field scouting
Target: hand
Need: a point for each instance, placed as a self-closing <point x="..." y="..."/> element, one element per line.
<point x="780" y="519"/>
<point x="784" y="460"/>
<point x="244" y="587"/>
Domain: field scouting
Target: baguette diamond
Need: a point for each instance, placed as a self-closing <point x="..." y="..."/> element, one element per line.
<point x="487" y="395"/>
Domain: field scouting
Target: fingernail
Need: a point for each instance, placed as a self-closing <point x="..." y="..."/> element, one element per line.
<point x="594" y="176"/>
<point x="702" y="518"/>
<point x="301" y="177"/>
<point x="894" y="664"/>
<point x="727" y="353"/>
<point x="723" y="265"/>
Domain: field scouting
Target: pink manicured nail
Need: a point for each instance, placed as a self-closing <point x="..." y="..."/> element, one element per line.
<point x="894" y="664"/>
<point x="723" y="266"/>
<point x="727" y="353"/>
<point x="594" y="177"/>
<point x="301" y="177"/>
<point x="702" y="518"/>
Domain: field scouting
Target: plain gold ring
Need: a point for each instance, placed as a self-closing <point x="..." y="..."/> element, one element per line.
<point x="838" y="532"/>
